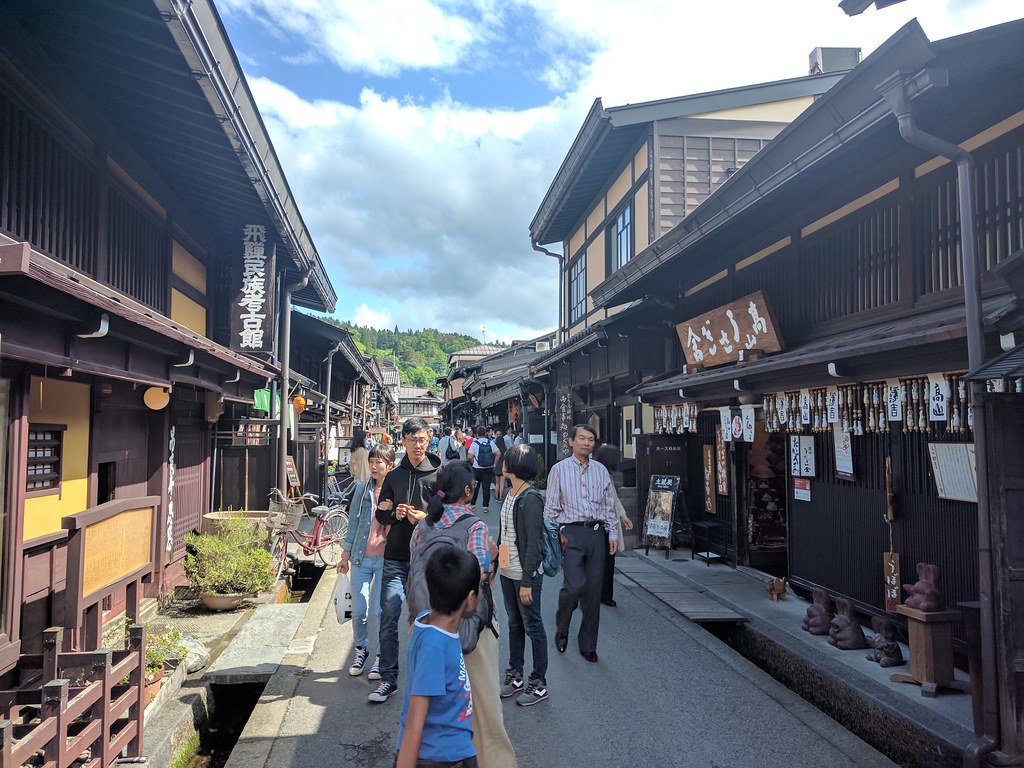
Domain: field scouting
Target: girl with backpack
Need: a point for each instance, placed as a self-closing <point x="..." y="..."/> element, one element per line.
<point x="450" y="505"/>
<point x="519" y="566"/>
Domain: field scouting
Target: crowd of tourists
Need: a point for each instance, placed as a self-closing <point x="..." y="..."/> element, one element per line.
<point x="417" y="537"/>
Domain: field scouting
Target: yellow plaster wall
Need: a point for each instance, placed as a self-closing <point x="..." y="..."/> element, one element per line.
<point x="61" y="402"/>
<point x="576" y="241"/>
<point x="641" y="218"/>
<point x="188" y="268"/>
<point x="189" y="313"/>
<point x="640" y="161"/>
<point x="595" y="219"/>
<point x="595" y="267"/>
<point x="784" y="111"/>
<point x="620" y="188"/>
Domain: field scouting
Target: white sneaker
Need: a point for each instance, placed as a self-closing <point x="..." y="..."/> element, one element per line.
<point x="375" y="669"/>
<point x="384" y="691"/>
<point x="358" y="662"/>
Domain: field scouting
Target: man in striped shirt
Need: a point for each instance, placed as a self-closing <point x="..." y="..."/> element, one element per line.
<point x="581" y="500"/>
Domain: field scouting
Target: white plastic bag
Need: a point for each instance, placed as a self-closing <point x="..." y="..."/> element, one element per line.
<point x="343" y="598"/>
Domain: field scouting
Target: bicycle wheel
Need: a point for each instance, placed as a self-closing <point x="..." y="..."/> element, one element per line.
<point x="332" y="537"/>
<point x="278" y="550"/>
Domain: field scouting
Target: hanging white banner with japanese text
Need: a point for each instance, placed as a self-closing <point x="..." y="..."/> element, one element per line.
<point x="722" y="335"/>
<point x="253" y="276"/>
<point x="893" y="400"/>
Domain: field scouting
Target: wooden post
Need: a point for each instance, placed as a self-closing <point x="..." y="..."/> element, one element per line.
<point x="54" y="705"/>
<point x="6" y="744"/>
<point x="931" y="651"/>
<point x="52" y="639"/>
<point x="137" y="678"/>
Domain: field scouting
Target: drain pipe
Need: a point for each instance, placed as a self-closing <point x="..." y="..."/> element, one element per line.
<point x="286" y="354"/>
<point x="327" y="418"/>
<point x="895" y="91"/>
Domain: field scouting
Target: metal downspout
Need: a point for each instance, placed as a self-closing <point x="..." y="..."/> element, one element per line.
<point x="895" y="92"/>
<point x="286" y="354"/>
<point x="327" y="418"/>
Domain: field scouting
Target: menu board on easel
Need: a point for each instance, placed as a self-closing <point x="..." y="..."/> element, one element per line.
<point x="659" y="517"/>
<point x="293" y="474"/>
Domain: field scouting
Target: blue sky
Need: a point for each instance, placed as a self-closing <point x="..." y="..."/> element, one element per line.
<point x="419" y="136"/>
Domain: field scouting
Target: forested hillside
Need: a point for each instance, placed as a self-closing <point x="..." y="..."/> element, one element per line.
<point x="421" y="356"/>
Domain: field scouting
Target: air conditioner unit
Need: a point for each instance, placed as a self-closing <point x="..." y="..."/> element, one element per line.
<point x="542" y="346"/>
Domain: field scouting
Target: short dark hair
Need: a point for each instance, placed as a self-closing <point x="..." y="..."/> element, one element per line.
<point x="521" y="461"/>
<point x="382" y="451"/>
<point x="481" y="431"/>
<point x="451" y="574"/>
<point x="609" y="455"/>
<point x="412" y="426"/>
<point x="358" y="437"/>
<point x="577" y="427"/>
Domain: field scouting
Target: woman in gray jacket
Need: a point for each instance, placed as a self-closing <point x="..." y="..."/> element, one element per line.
<point x="519" y="562"/>
<point x="364" y="550"/>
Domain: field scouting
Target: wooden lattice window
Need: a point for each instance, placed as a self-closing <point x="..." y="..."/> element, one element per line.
<point x="45" y="450"/>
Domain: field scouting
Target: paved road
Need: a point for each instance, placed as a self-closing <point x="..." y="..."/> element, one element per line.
<point x="664" y="693"/>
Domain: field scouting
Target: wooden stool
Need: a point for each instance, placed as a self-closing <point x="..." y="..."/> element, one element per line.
<point x="931" y="651"/>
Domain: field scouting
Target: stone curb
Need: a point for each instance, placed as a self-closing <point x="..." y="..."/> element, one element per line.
<point x="257" y="738"/>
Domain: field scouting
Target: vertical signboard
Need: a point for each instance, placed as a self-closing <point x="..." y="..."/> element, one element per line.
<point x="564" y="422"/>
<point x="710" y="491"/>
<point x="891" y="577"/>
<point x="252" y="311"/>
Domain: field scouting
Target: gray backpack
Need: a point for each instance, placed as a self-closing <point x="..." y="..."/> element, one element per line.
<point x="431" y="540"/>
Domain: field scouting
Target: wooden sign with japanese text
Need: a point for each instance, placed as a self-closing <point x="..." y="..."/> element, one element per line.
<point x="710" y="494"/>
<point x="721" y="462"/>
<point x="720" y="336"/>
<point x="891" y="577"/>
<point x="253" y="279"/>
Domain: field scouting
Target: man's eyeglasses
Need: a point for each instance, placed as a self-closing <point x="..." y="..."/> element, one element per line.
<point x="416" y="440"/>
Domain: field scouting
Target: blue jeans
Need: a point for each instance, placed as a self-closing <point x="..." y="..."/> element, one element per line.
<point x="392" y="595"/>
<point x="365" y="592"/>
<point x="525" y="620"/>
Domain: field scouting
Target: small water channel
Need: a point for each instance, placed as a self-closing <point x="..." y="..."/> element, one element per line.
<point x="234" y="704"/>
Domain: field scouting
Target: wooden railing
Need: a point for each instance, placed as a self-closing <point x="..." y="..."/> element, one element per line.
<point x="81" y="708"/>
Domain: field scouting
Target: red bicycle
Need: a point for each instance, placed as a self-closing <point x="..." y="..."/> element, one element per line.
<point x="326" y="539"/>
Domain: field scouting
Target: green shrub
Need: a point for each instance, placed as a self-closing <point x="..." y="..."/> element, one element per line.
<point x="230" y="561"/>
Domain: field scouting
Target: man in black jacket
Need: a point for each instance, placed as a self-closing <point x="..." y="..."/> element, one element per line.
<point x="404" y="495"/>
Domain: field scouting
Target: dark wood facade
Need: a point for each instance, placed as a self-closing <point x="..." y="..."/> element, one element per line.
<point x="122" y="203"/>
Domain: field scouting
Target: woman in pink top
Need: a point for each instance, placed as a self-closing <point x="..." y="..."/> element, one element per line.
<point x="364" y="551"/>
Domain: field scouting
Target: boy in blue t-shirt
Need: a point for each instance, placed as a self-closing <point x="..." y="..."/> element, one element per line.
<point x="437" y="715"/>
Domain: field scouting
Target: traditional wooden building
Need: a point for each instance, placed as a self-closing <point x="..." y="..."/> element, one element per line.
<point x="818" y="407"/>
<point x="458" y="408"/>
<point x="633" y="174"/>
<point x="145" y="225"/>
<point x="418" y="403"/>
<point x="495" y="384"/>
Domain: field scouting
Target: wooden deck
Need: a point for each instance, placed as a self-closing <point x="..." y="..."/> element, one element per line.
<point x="691" y="601"/>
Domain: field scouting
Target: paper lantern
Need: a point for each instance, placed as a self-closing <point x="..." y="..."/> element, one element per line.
<point x="156" y="398"/>
<point x="299" y="402"/>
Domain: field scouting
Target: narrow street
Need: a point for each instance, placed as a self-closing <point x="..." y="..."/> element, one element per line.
<point x="663" y="693"/>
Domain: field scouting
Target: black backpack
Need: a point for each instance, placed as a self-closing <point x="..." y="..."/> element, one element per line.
<point x="451" y="453"/>
<point x="485" y="453"/>
<point x="431" y="540"/>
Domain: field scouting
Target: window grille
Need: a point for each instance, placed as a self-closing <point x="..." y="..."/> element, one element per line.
<point x="45" y="444"/>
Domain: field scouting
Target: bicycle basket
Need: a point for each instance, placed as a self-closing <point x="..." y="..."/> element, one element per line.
<point x="286" y="513"/>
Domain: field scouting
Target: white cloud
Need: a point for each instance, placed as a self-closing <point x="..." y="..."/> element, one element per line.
<point x="421" y="209"/>
<point x="380" y="38"/>
<point x="372" y="317"/>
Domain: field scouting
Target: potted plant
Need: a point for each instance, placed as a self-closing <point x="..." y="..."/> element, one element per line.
<point x="162" y="645"/>
<point x="229" y="565"/>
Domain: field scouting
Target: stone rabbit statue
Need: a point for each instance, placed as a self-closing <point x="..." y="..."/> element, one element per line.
<point x="845" y="632"/>
<point x="924" y="595"/>
<point x="887" y="651"/>
<point x="818" y="620"/>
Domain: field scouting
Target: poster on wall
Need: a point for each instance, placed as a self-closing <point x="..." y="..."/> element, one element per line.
<point x="954" y="470"/>
<point x="710" y="493"/>
<point x="660" y="503"/>
<point x="843" y="452"/>
<point x="721" y="462"/>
